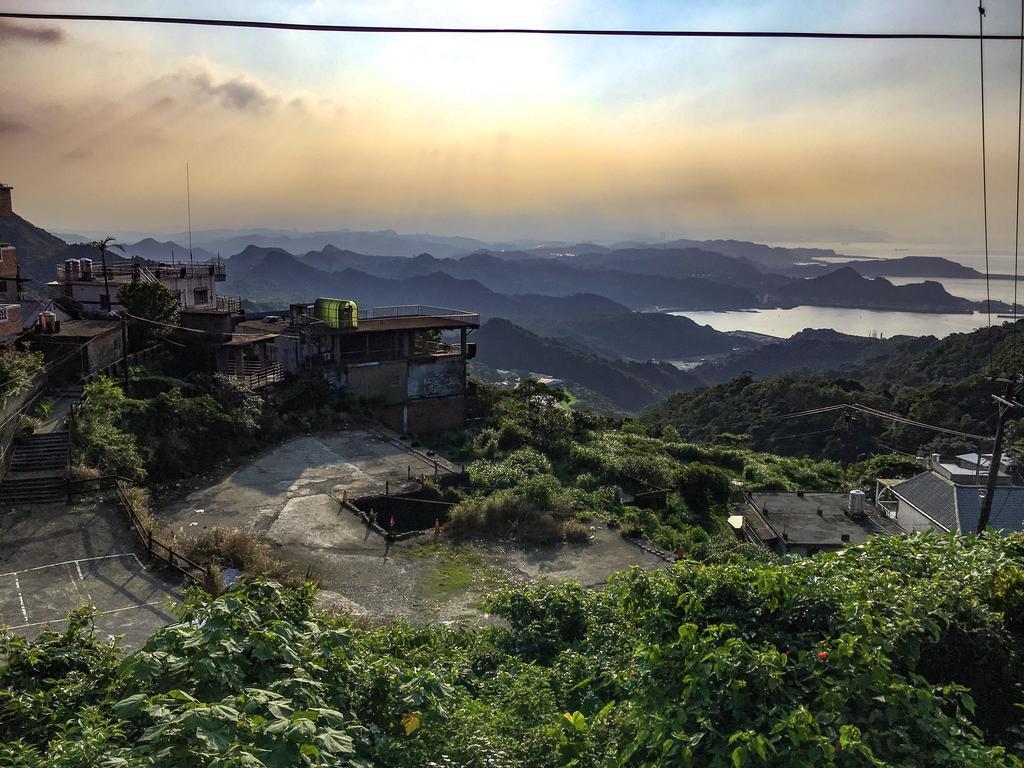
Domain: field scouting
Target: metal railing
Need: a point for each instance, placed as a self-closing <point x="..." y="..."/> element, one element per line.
<point x="155" y="548"/>
<point x="418" y="310"/>
<point x="232" y="304"/>
<point x="164" y="270"/>
<point x="256" y="375"/>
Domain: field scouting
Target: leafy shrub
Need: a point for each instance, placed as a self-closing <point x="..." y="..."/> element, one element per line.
<point x="17" y="369"/>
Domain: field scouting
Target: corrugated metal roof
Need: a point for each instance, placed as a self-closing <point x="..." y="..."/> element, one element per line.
<point x="1007" y="508"/>
<point x="933" y="495"/>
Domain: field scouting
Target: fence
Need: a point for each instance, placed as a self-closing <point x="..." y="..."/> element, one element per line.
<point x="255" y="376"/>
<point x="154" y="547"/>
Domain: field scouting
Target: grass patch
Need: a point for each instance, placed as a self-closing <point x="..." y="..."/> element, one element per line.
<point x="457" y="568"/>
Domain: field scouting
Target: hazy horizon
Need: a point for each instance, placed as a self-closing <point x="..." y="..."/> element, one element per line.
<point x="507" y="137"/>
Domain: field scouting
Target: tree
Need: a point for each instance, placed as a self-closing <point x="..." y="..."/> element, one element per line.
<point x="151" y="301"/>
<point x="103" y="246"/>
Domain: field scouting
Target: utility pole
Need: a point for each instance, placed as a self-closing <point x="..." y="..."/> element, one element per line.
<point x="124" y="346"/>
<point x="1006" y="405"/>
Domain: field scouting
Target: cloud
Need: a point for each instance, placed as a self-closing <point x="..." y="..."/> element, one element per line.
<point x="236" y="93"/>
<point x="42" y="35"/>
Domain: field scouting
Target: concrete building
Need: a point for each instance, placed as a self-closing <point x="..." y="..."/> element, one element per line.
<point x="6" y="205"/>
<point x="970" y="468"/>
<point x="74" y="349"/>
<point x="10" y="292"/>
<point x="931" y="501"/>
<point x="803" y="524"/>
<point x="395" y="356"/>
<point x="85" y="282"/>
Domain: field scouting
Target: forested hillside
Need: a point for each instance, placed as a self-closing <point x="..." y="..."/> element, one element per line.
<point x="945" y="383"/>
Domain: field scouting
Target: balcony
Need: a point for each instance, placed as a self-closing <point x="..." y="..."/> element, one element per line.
<point x="255" y="374"/>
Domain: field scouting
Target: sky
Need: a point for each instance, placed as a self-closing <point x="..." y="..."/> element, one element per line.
<point x="503" y="137"/>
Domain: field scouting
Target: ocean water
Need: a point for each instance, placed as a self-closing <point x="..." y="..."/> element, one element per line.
<point x="783" y="323"/>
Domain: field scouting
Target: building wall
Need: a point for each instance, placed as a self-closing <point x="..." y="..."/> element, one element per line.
<point x="911" y="520"/>
<point x="212" y="322"/>
<point x="88" y="293"/>
<point x="101" y="353"/>
<point x="437" y="414"/>
<point x="9" y="263"/>
<point x="10" y="322"/>
<point x="6" y="205"/>
<point x="387" y="380"/>
<point x="437" y="377"/>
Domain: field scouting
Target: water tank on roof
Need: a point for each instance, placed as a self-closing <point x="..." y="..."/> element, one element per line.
<point x="86" y="268"/>
<point x="72" y="269"/>
<point x="856" y="503"/>
<point x="336" y="313"/>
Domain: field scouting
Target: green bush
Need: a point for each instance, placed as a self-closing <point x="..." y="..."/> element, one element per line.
<point x="903" y="652"/>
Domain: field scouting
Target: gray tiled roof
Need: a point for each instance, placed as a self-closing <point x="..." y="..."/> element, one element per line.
<point x="934" y="496"/>
<point x="1007" y="508"/>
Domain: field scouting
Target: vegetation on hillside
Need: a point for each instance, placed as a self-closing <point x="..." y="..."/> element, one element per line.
<point x="17" y="370"/>
<point x="903" y="652"/>
<point x="947" y="384"/>
<point x="167" y="428"/>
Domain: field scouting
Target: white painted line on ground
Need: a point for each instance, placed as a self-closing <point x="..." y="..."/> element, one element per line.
<point x="69" y="562"/>
<point x="78" y="585"/>
<point x="101" y="613"/>
<point x="17" y="586"/>
<point x="138" y="561"/>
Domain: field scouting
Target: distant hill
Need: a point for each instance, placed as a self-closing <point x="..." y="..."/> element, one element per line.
<point x="154" y="250"/>
<point x="647" y="335"/>
<point x="39" y="252"/>
<point x="630" y="386"/>
<point x="380" y="243"/>
<point x="810" y="351"/>
<point x="907" y="266"/>
<point x="847" y="288"/>
<point x="547" y="276"/>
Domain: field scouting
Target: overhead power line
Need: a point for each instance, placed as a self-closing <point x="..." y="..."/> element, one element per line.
<point x="869" y="411"/>
<point x="572" y="32"/>
<point x="984" y="177"/>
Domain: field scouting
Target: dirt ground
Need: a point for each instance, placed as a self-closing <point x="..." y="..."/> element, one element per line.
<point x="289" y="496"/>
<point x="56" y="557"/>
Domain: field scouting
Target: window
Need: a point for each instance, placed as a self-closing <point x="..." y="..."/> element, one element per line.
<point x="3" y="286"/>
<point x="3" y="314"/>
<point x="200" y="296"/>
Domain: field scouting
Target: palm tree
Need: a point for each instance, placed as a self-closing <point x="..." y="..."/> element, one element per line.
<point x="103" y="246"/>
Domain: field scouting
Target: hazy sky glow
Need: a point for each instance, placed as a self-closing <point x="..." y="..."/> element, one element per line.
<point x="501" y="137"/>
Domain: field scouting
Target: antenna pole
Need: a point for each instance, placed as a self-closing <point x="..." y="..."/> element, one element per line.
<point x="188" y="199"/>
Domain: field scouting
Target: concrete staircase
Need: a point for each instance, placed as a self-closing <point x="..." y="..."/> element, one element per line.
<point x="19" y="490"/>
<point x="39" y="452"/>
<point x="38" y="470"/>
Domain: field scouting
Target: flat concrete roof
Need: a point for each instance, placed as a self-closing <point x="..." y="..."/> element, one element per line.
<point x="84" y="328"/>
<point x="796" y="515"/>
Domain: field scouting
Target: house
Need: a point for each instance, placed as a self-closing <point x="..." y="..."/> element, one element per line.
<point x="803" y="524"/>
<point x="73" y="349"/>
<point x="10" y="295"/>
<point x="932" y="501"/>
<point x="396" y="356"/>
<point x="94" y="288"/>
<point x="970" y="468"/>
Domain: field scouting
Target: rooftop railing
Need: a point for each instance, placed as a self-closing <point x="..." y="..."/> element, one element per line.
<point x="123" y="271"/>
<point x="418" y="310"/>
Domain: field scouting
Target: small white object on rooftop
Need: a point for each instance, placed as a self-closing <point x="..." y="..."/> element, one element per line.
<point x="856" y="503"/>
<point x="736" y="522"/>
